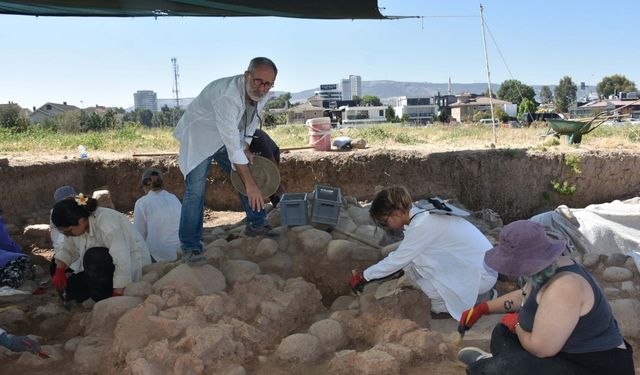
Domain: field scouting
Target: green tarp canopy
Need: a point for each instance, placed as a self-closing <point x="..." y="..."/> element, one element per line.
<point x="319" y="9"/>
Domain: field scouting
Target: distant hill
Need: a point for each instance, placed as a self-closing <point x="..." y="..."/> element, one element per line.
<point x="386" y="89"/>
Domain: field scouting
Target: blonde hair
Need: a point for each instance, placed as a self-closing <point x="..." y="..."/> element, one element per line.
<point x="389" y="199"/>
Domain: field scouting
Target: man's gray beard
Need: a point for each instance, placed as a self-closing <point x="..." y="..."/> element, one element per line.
<point x="255" y="99"/>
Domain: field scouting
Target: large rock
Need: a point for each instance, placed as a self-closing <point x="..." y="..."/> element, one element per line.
<point x="104" y="198"/>
<point x="370" y="232"/>
<point x="39" y="234"/>
<point x="360" y="215"/>
<point x="134" y="329"/>
<point x="330" y="334"/>
<point x="402" y="354"/>
<point x="140" y="289"/>
<point x="299" y="347"/>
<point x="89" y="354"/>
<point x="617" y="274"/>
<point x="266" y="248"/>
<point x="105" y="314"/>
<point x="370" y="362"/>
<point x="240" y="271"/>
<point x="280" y="264"/>
<point x="212" y="306"/>
<point x="339" y="249"/>
<point x="423" y="343"/>
<point x="204" y="279"/>
<point x="314" y="240"/>
<point x="211" y="342"/>
<point x="392" y="330"/>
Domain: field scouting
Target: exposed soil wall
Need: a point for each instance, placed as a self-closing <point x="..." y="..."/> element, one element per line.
<point x="515" y="183"/>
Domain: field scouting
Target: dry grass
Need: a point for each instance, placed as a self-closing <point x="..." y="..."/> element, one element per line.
<point x="132" y="139"/>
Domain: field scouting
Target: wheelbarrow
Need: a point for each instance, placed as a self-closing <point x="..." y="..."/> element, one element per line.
<point x="575" y="129"/>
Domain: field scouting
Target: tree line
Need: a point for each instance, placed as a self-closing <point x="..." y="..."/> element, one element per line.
<point x="82" y="120"/>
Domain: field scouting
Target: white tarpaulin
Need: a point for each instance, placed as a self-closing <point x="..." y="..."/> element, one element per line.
<point x="606" y="228"/>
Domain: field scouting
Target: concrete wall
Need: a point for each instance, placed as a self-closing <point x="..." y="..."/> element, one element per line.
<point x="514" y="183"/>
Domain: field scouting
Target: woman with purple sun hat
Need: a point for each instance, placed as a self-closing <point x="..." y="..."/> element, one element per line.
<point x="560" y="322"/>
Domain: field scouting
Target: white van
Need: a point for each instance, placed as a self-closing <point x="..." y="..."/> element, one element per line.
<point x="487" y="121"/>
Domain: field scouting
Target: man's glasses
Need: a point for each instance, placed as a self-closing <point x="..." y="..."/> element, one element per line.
<point x="257" y="82"/>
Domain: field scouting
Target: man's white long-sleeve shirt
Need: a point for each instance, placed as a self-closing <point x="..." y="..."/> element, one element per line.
<point x="212" y="120"/>
<point x="111" y="229"/>
<point x="448" y="251"/>
<point x="157" y="218"/>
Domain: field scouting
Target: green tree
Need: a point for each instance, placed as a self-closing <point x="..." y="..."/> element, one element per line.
<point x="281" y="101"/>
<point x="526" y="106"/>
<point x="371" y="100"/>
<point x="9" y="114"/>
<point x="614" y="84"/>
<point x="514" y="91"/>
<point x="390" y="115"/>
<point x="546" y="96"/>
<point x="565" y="94"/>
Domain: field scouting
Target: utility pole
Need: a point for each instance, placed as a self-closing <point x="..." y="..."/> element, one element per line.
<point x="176" y="89"/>
<point x="486" y="59"/>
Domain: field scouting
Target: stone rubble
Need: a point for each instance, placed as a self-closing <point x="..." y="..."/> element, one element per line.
<point x="276" y="302"/>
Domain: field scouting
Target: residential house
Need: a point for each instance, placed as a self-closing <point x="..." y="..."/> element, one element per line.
<point x="303" y="112"/>
<point x="417" y="110"/>
<point x="593" y="108"/>
<point x="363" y="115"/>
<point x="467" y="105"/>
<point x="50" y="109"/>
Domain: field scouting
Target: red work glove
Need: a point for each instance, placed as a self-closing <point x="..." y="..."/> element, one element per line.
<point x="469" y="317"/>
<point x="510" y="320"/>
<point x="59" y="279"/>
<point x="357" y="282"/>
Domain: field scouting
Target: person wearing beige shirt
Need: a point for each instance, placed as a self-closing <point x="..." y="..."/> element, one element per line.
<point x="112" y="251"/>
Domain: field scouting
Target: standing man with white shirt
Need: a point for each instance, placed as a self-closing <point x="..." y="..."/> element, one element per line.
<point x="157" y="217"/>
<point x="219" y="125"/>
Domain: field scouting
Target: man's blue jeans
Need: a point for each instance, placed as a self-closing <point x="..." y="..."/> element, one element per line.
<point x="191" y="217"/>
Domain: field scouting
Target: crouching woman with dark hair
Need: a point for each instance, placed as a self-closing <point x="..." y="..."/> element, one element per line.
<point x="112" y="251"/>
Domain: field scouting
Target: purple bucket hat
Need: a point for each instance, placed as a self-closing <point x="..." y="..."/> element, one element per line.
<point x="524" y="249"/>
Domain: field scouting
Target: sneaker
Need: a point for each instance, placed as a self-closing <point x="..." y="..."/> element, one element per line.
<point x="471" y="354"/>
<point x="195" y="258"/>
<point x="266" y="231"/>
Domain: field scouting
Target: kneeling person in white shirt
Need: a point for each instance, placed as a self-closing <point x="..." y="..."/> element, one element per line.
<point x="442" y="254"/>
<point x="157" y="217"/>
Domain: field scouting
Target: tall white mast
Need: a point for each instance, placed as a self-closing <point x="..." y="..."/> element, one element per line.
<point x="486" y="59"/>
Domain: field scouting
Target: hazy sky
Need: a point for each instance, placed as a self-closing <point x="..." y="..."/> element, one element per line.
<point x="88" y="61"/>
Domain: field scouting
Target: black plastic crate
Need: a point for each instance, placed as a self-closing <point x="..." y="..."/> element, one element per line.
<point x="326" y="205"/>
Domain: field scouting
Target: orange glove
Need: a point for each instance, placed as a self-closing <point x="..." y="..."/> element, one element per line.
<point x="357" y="282"/>
<point x="469" y="317"/>
<point x="59" y="279"/>
<point x="510" y="320"/>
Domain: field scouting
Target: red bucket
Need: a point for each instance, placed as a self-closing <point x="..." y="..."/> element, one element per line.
<point x="320" y="133"/>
